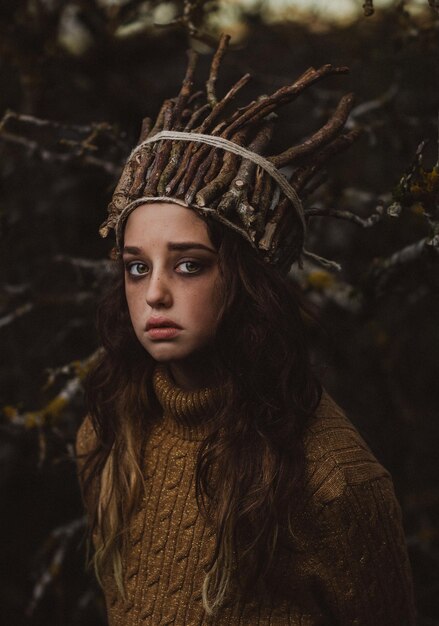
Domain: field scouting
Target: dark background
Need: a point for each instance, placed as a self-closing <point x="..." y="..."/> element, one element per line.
<point x="76" y="79"/>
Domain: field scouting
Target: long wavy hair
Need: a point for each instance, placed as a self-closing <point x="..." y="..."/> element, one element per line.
<point x="261" y="353"/>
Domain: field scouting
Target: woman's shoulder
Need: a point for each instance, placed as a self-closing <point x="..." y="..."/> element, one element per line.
<point x="337" y="456"/>
<point x="350" y="531"/>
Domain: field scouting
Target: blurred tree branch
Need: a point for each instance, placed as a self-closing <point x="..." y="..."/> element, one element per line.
<point x="108" y="60"/>
<point x="53" y="141"/>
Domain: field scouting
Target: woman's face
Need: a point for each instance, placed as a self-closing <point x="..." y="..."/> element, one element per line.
<point x="171" y="271"/>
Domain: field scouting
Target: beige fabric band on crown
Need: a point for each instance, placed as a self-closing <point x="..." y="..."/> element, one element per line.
<point x="225" y="144"/>
<point x="230" y="146"/>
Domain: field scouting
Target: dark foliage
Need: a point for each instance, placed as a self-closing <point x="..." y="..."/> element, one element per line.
<point x="74" y="88"/>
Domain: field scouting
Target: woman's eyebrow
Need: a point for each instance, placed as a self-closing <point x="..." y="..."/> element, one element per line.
<point x="172" y="245"/>
<point x="131" y="250"/>
<point x="188" y="245"/>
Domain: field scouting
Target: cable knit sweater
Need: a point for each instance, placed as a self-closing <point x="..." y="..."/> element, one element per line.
<point x="348" y="565"/>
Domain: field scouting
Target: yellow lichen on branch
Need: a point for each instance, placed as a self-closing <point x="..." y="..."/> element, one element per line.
<point x="50" y="413"/>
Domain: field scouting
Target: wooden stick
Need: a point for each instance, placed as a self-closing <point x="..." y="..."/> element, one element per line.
<point x="283" y="96"/>
<point x="186" y="89"/>
<point x="145" y="129"/>
<point x="225" y="176"/>
<point x="143" y="159"/>
<point x="303" y="174"/>
<point x="277" y="224"/>
<point x="215" y="166"/>
<point x="198" y="178"/>
<point x="191" y="148"/>
<point x="216" y="62"/>
<point x="162" y="155"/>
<point x="240" y="184"/>
<point x="196" y="162"/>
<point x="320" y="137"/>
<point x="178" y="147"/>
<point x="221" y="105"/>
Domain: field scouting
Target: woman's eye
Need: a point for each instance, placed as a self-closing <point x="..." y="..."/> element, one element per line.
<point x="137" y="269"/>
<point x="191" y="267"/>
<point x="140" y="269"/>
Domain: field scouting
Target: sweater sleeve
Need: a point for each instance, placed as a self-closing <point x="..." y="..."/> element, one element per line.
<point x="85" y="443"/>
<point x="362" y="560"/>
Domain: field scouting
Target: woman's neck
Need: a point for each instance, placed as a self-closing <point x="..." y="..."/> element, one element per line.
<point x="194" y="373"/>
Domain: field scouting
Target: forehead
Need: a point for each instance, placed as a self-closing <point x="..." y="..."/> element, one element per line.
<point x="164" y="220"/>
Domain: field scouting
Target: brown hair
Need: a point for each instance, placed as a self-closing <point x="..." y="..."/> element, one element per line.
<point x="258" y="438"/>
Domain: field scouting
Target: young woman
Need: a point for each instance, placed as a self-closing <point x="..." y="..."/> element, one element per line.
<point x="223" y="485"/>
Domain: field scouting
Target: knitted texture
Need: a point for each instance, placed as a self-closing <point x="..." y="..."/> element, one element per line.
<point x="347" y="565"/>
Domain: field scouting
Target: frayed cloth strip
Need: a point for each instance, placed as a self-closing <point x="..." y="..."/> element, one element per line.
<point x="230" y="146"/>
<point x="225" y="144"/>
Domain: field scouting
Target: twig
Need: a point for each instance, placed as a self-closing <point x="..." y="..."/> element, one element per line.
<point x="211" y="82"/>
<point x="52" y="411"/>
<point x="322" y="286"/>
<point x="99" y="267"/>
<point x="60" y="538"/>
<point x="375" y="104"/>
<point x="347" y="215"/>
<point x="408" y="254"/>
<point x="14" y="315"/>
<point x="186" y="88"/>
<point x="189" y="19"/>
<point x="61" y="135"/>
<point x="323" y="136"/>
<point x="35" y="148"/>
<point x="368" y="8"/>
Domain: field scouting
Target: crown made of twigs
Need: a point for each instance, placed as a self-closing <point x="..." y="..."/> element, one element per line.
<point x="198" y="155"/>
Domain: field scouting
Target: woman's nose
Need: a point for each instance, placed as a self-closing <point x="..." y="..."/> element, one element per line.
<point x="158" y="290"/>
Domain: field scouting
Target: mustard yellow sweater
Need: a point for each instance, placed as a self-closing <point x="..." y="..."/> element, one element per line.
<point x="349" y="564"/>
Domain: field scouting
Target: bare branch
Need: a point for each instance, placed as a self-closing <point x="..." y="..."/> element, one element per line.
<point x="57" y="543"/>
<point x="14" y="315"/>
<point x="320" y="137"/>
<point x="45" y="137"/>
<point x="216" y="62"/>
<point x="346" y="215"/>
<point x="368" y="8"/>
<point x="408" y="254"/>
<point x="322" y="286"/>
<point x="52" y="411"/>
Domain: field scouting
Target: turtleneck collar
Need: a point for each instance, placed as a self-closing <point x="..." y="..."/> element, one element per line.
<point x="187" y="414"/>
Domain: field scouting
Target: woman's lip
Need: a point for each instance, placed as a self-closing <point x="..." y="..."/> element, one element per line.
<point x="161" y="321"/>
<point x="163" y="332"/>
